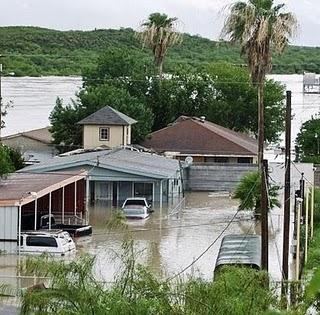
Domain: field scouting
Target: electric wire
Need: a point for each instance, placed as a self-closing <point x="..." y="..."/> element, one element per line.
<point x="216" y="239"/>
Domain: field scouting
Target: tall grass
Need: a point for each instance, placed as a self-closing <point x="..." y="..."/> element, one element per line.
<point x="73" y="289"/>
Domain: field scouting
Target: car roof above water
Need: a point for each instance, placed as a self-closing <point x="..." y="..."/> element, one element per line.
<point x="44" y="233"/>
<point x="240" y="250"/>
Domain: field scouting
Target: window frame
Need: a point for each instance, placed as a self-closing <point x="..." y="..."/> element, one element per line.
<point x="100" y="135"/>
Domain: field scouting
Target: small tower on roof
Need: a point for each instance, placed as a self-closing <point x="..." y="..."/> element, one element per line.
<point x="106" y="127"/>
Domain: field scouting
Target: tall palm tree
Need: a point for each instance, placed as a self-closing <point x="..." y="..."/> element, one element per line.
<point x="159" y="33"/>
<point x="259" y="27"/>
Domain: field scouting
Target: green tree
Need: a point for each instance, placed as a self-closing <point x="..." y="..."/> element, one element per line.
<point x="159" y="33"/>
<point x="10" y="160"/>
<point x="66" y="133"/>
<point x="6" y="165"/>
<point x="308" y="141"/>
<point x="258" y="26"/>
<point x="221" y="92"/>
<point x="248" y="192"/>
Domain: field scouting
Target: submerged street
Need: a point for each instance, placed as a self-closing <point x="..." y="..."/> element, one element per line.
<point x="170" y="240"/>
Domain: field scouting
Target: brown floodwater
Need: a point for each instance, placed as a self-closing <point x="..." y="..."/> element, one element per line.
<point x="174" y="236"/>
<point x="167" y="242"/>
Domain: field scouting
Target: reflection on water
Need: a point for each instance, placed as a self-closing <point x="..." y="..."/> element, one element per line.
<point x="167" y="241"/>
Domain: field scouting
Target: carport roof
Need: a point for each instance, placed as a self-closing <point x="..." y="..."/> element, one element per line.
<point x="122" y="160"/>
<point x="18" y="188"/>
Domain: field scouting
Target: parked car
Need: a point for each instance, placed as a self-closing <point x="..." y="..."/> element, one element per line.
<point x="52" y="242"/>
<point x="136" y="208"/>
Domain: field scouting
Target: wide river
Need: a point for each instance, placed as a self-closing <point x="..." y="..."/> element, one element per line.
<point x="33" y="99"/>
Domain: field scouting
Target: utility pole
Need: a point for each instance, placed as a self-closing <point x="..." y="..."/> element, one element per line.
<point x="0" y="101"/>
<point x="286" y="217"/>
<point x="302" y="193"/>
<point x="264" y="217"/>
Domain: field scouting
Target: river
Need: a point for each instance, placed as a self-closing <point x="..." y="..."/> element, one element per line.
<point x="34" y="98"/>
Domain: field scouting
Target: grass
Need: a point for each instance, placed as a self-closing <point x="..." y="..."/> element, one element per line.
<point x="74" y="289"/>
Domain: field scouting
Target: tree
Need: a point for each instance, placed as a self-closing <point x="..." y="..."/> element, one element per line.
<point x="10" y="160"/>
<point x="159" y="33"/>
<point x="66" y="133"/>
<point x="220" y="92"/>
<point x="248" y="192"/>
<point x="308" y="141"/>
<point x="259" y="26"/>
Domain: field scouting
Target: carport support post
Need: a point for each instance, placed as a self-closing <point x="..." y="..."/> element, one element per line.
<point x="87" y="200"/>
<point x="50" y="210"/>
<point x="19" y="230"/>
<point x="63" y="204"/>
<point x="75" y="198"/>
<point x="35" y="213"/>
<point x="161" y="195"/>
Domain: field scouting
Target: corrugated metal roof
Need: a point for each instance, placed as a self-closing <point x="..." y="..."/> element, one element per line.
<point x="123" y="160"/>
<point x="107" y="116"/>
<point x="17" y="186"/>
<point x="240" y="250"/>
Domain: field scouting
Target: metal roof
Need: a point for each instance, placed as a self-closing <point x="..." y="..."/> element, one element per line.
<point x="18" y="188"/>
<point x="240" y="250"/>
<point x="107" y="116"/>
<point x="122" y="160"/>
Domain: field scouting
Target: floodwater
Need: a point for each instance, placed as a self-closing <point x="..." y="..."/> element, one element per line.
<point x="167" y="242"/>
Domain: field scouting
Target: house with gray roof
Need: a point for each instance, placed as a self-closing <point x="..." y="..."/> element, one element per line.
<point x="117" y="174"/>
<point x="107" y="128"/>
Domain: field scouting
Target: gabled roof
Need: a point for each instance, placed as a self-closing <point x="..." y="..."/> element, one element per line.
<point x="43" y="135"/>
<point x="107" y="116"/>
<point x="190" y="135"/>
<point x="121" y="160"/>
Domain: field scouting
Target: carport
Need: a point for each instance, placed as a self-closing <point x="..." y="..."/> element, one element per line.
<point x="25" y="197"/>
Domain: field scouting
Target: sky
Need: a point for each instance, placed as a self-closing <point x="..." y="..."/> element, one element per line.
<point x="202" y="17"/>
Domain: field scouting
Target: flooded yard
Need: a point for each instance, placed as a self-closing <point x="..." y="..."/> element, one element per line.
<point x="170" y="240"/>
<point x="166" y="242"/>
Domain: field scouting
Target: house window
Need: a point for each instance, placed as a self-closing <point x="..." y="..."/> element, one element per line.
<point x="247" y="160"/>
<point x="104" y="133"/>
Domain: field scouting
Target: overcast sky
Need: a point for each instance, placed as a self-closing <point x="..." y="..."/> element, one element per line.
<point x="203" y="17"/>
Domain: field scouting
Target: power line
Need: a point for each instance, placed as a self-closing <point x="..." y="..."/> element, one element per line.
<point x="217" y="238"/>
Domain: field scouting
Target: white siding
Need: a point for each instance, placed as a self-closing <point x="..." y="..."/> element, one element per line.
<point x="8" y="228"/>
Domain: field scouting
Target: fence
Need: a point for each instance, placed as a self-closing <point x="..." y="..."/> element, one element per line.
<point x="216" y="176"/>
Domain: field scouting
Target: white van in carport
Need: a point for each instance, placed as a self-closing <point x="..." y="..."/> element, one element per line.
<point x="51" y="242"/>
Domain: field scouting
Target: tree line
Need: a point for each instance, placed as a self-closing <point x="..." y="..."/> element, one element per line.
<point x="34" y="51"/>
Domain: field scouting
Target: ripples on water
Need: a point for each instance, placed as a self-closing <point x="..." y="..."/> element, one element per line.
<point x="34" y="98"/>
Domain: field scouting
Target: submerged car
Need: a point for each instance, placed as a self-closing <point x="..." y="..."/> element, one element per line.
<point x="136" y="208"/>
<point x="51" y="242"/>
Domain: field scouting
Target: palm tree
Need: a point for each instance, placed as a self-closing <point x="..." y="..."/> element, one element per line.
<point x="159" y="33"/>
<point x="259" y="27"/>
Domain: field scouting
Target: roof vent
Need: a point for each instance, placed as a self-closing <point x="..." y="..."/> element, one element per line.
<point x="202" y="118"/>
